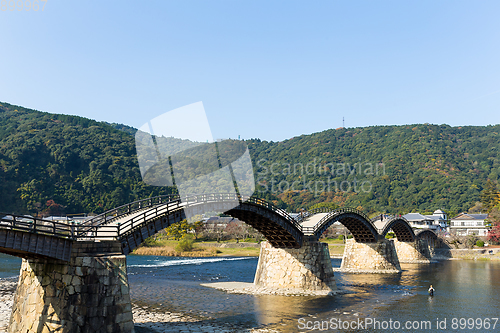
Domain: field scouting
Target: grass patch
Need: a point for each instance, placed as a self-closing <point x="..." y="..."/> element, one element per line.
<point x="336" y="249"/>
<point x="172" y="252"/>
<point x="239" y="252"/>
<point x="171" y="248"/>
<point x="332" y="241"/>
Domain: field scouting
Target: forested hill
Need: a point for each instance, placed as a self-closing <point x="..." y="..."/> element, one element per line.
<point x="403" y="168"/>
<point x="66" y="164"/>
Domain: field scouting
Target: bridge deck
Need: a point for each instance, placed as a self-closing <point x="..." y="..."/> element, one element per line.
<point x="132" y="223"/>
<point x="311" y="221"/>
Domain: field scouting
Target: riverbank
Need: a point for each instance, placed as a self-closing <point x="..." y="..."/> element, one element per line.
<point x="201" y="249"/>
<point x="146" y="320"/>
<point x="7" y="290"/>
<point x="222" y="249"/>
<point x="467" y="254"/>
<point x="252" y="289"/>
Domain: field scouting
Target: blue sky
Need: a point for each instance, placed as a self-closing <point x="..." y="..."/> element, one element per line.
<point x="263" y="69"/>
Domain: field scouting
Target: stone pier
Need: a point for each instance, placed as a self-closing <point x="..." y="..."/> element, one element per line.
<point x="413" y="252"/>
<point x="305" y="268"/>
<point x="380" y="257"/>
<point x="86" y="295"/>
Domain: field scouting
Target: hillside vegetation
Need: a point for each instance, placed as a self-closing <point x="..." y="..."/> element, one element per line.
<point x="66" y="164"/>
<point x="397" y="169"/>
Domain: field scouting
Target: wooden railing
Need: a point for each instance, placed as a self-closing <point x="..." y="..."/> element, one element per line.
<point x="37" y="225"/>
<point x="118" y="212"/>
<point x="332" y="214"/>
<point x="279" y="211"/>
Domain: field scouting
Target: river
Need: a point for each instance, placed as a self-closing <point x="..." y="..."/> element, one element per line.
<point x="464" y="289"/>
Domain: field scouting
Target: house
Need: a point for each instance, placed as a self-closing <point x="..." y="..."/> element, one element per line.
<point x="435" y="222"/>
<point x="469" y="224"/>
<point x="217" y="222"/>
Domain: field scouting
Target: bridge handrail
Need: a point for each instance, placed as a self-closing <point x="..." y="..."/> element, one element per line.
<point x="381" y="231"/>
<point x="117" y="212"/>
<point x="337" y="212"/>
<point x="279" y="211"/>
<point x="37" y="225"/>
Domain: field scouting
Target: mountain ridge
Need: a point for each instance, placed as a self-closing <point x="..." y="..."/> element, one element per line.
<point x="84" y="165"/>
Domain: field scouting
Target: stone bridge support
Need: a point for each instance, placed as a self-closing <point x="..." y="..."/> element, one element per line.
<point x="89" y="293"/>
<point x="380" y="257"/>
<point x="305" y="268"/>
<point x="413" y="252"/>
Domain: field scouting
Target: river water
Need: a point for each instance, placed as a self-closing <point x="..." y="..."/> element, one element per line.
<point x="464" y="289"/>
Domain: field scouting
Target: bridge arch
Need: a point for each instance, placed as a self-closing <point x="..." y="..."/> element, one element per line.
<point x="430" y="236"/>
<point x="402" y="229"/>
<point x="355" y="221"/>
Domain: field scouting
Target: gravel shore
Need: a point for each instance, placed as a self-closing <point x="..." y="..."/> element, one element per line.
<point x="7" y="289"/>
<point x="250" y="288"/>
<point x="146" y="321"/>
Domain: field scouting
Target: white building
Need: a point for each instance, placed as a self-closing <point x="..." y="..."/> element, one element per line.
<point x="435" y="222"/>
<point x="468" y="224"/>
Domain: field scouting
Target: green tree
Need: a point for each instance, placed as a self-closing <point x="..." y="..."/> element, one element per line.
<point x="490" y="196"/>
<point x="328" y="205"/>
<point x="179" y="229"/>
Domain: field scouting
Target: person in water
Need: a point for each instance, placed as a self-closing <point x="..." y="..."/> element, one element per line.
<point x="431" y="291"/>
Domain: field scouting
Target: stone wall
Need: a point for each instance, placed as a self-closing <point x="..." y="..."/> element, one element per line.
<point x="370" y="257"/>
<point x="88" y="294"/>
<point x="472" y="254"/>
<point x="306" y="268"/>
<point x="413" y="252"/>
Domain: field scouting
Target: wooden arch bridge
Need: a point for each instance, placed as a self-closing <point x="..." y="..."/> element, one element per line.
<point x="74" y="278"/>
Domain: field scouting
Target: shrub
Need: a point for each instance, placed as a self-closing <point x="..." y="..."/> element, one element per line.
<point x="470" y="240"/>
<point x="341" y="237"/>
<point x="480" y="243"/>
<point x="185" y="243"/>
<point x="150" y="242"/>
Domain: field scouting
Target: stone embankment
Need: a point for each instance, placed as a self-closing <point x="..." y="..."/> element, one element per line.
<point x="90" y="290"/>
<point x="470" y="254"/>
<point x="416" y="252"/>
<point x="305" y="268"/>
<point x="380" y="257"/>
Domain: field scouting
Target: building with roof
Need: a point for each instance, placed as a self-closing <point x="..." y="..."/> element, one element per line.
<point x="435" y="222"/>
<point x="469" y="224"/>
